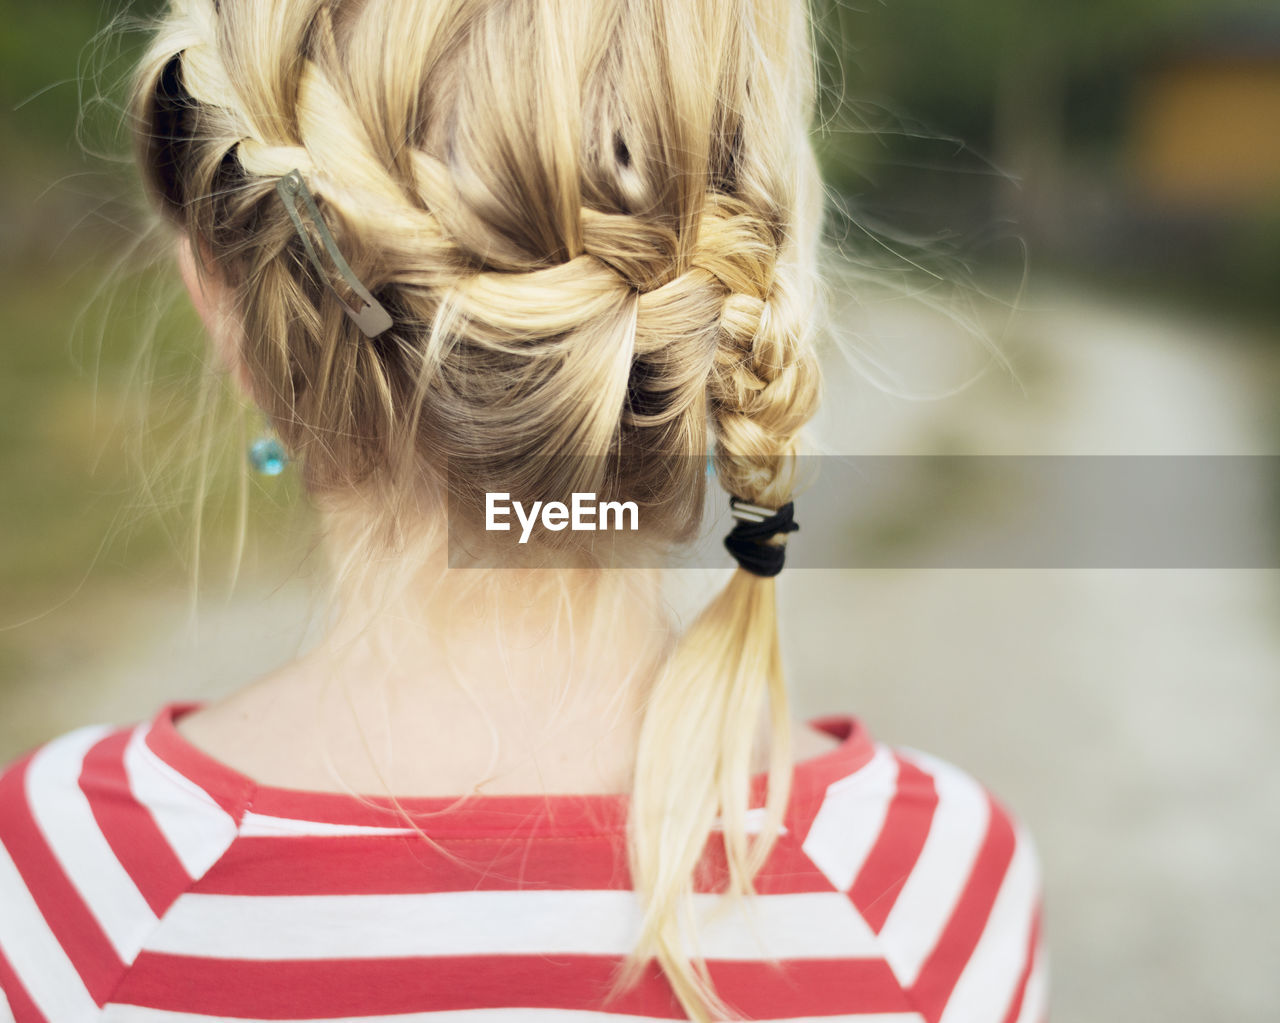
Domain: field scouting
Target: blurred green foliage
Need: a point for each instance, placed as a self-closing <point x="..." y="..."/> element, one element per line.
<point x="960" y="120"/>
<point x="958" y="68"/>
<point x="102" y="358"/>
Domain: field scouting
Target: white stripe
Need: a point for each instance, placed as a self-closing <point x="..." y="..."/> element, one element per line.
<point x="931" y="892"/>
<point x="258" y="825"/>
<point x="6" y="1014"/>
<point x="66" y="820"/>
<point x="34" y="953"/>
<point x="1035" y="1002"/>
<point x="195" y="826"/>
<point x="115" y="1012"/>
<point x="852" y="814"/>
<point x="806" y="925"/>
<point x="990" y="977"/>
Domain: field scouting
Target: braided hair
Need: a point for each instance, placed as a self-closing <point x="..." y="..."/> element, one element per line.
<point x="594" y="224"/>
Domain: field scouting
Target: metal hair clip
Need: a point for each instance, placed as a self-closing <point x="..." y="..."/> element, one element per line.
<point x="373" y="317"/>
<point x="744" y="512"/>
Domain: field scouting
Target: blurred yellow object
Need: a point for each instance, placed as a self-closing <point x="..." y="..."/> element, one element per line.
<point x="1206" y="130"/>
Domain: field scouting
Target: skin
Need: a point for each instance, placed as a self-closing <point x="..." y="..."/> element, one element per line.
<point x="532" y="717"/>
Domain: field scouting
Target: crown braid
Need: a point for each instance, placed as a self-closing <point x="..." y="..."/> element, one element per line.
<point x="723" y="326"/>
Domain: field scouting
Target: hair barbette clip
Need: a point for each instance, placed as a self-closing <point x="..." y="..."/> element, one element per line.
<point x="372" y="318"/>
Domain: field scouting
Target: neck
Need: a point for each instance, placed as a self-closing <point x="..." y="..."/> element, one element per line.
<point x="510" y="680"/>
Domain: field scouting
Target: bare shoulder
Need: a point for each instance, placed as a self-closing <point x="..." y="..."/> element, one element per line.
<point x="257" y="731"/>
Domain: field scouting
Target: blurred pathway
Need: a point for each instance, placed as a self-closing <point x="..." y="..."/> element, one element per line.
<point x="1128" y="716"/>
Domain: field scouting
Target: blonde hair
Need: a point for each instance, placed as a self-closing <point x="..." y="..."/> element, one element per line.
<point x="594" y="224"/>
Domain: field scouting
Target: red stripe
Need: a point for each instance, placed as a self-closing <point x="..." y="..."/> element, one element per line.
<point x="942" y="969"/>
<point x="1033" y="946"/>
<point x="64" y="911"/>
<point x="788" y="871"/>
<point x="128" y="826"/>
<point x="329" y="988"/>
<point x="894" y="855"/>
<point x="388" y="864"/>
<point x="20" y="1004"/>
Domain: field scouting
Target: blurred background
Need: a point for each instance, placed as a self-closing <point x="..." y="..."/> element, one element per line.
<point x="1092" y="187"/>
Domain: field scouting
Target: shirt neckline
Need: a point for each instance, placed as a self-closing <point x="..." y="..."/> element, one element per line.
<point x="522" y="814"/>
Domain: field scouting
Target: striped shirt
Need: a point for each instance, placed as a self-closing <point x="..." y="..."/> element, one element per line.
<point x="141" y="880"/>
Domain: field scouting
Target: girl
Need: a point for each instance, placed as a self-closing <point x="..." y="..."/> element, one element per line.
<point x="454" y="249"/>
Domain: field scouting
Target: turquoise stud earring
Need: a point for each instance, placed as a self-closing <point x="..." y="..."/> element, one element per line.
<point x="267" y="454"/>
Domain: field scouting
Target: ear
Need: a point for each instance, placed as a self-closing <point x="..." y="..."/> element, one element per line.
<point x="212" y="300"/>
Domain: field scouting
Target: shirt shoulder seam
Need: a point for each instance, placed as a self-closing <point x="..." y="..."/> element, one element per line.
<point x="244" y="808"/>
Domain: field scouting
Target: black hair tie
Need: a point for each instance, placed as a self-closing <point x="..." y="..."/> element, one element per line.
<point x="748" y="542"/>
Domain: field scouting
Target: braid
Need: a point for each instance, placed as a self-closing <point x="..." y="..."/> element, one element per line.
<point x="764" y="388"/>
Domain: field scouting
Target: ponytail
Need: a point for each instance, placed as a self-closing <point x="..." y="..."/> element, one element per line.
<point x="695" y="756"/>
